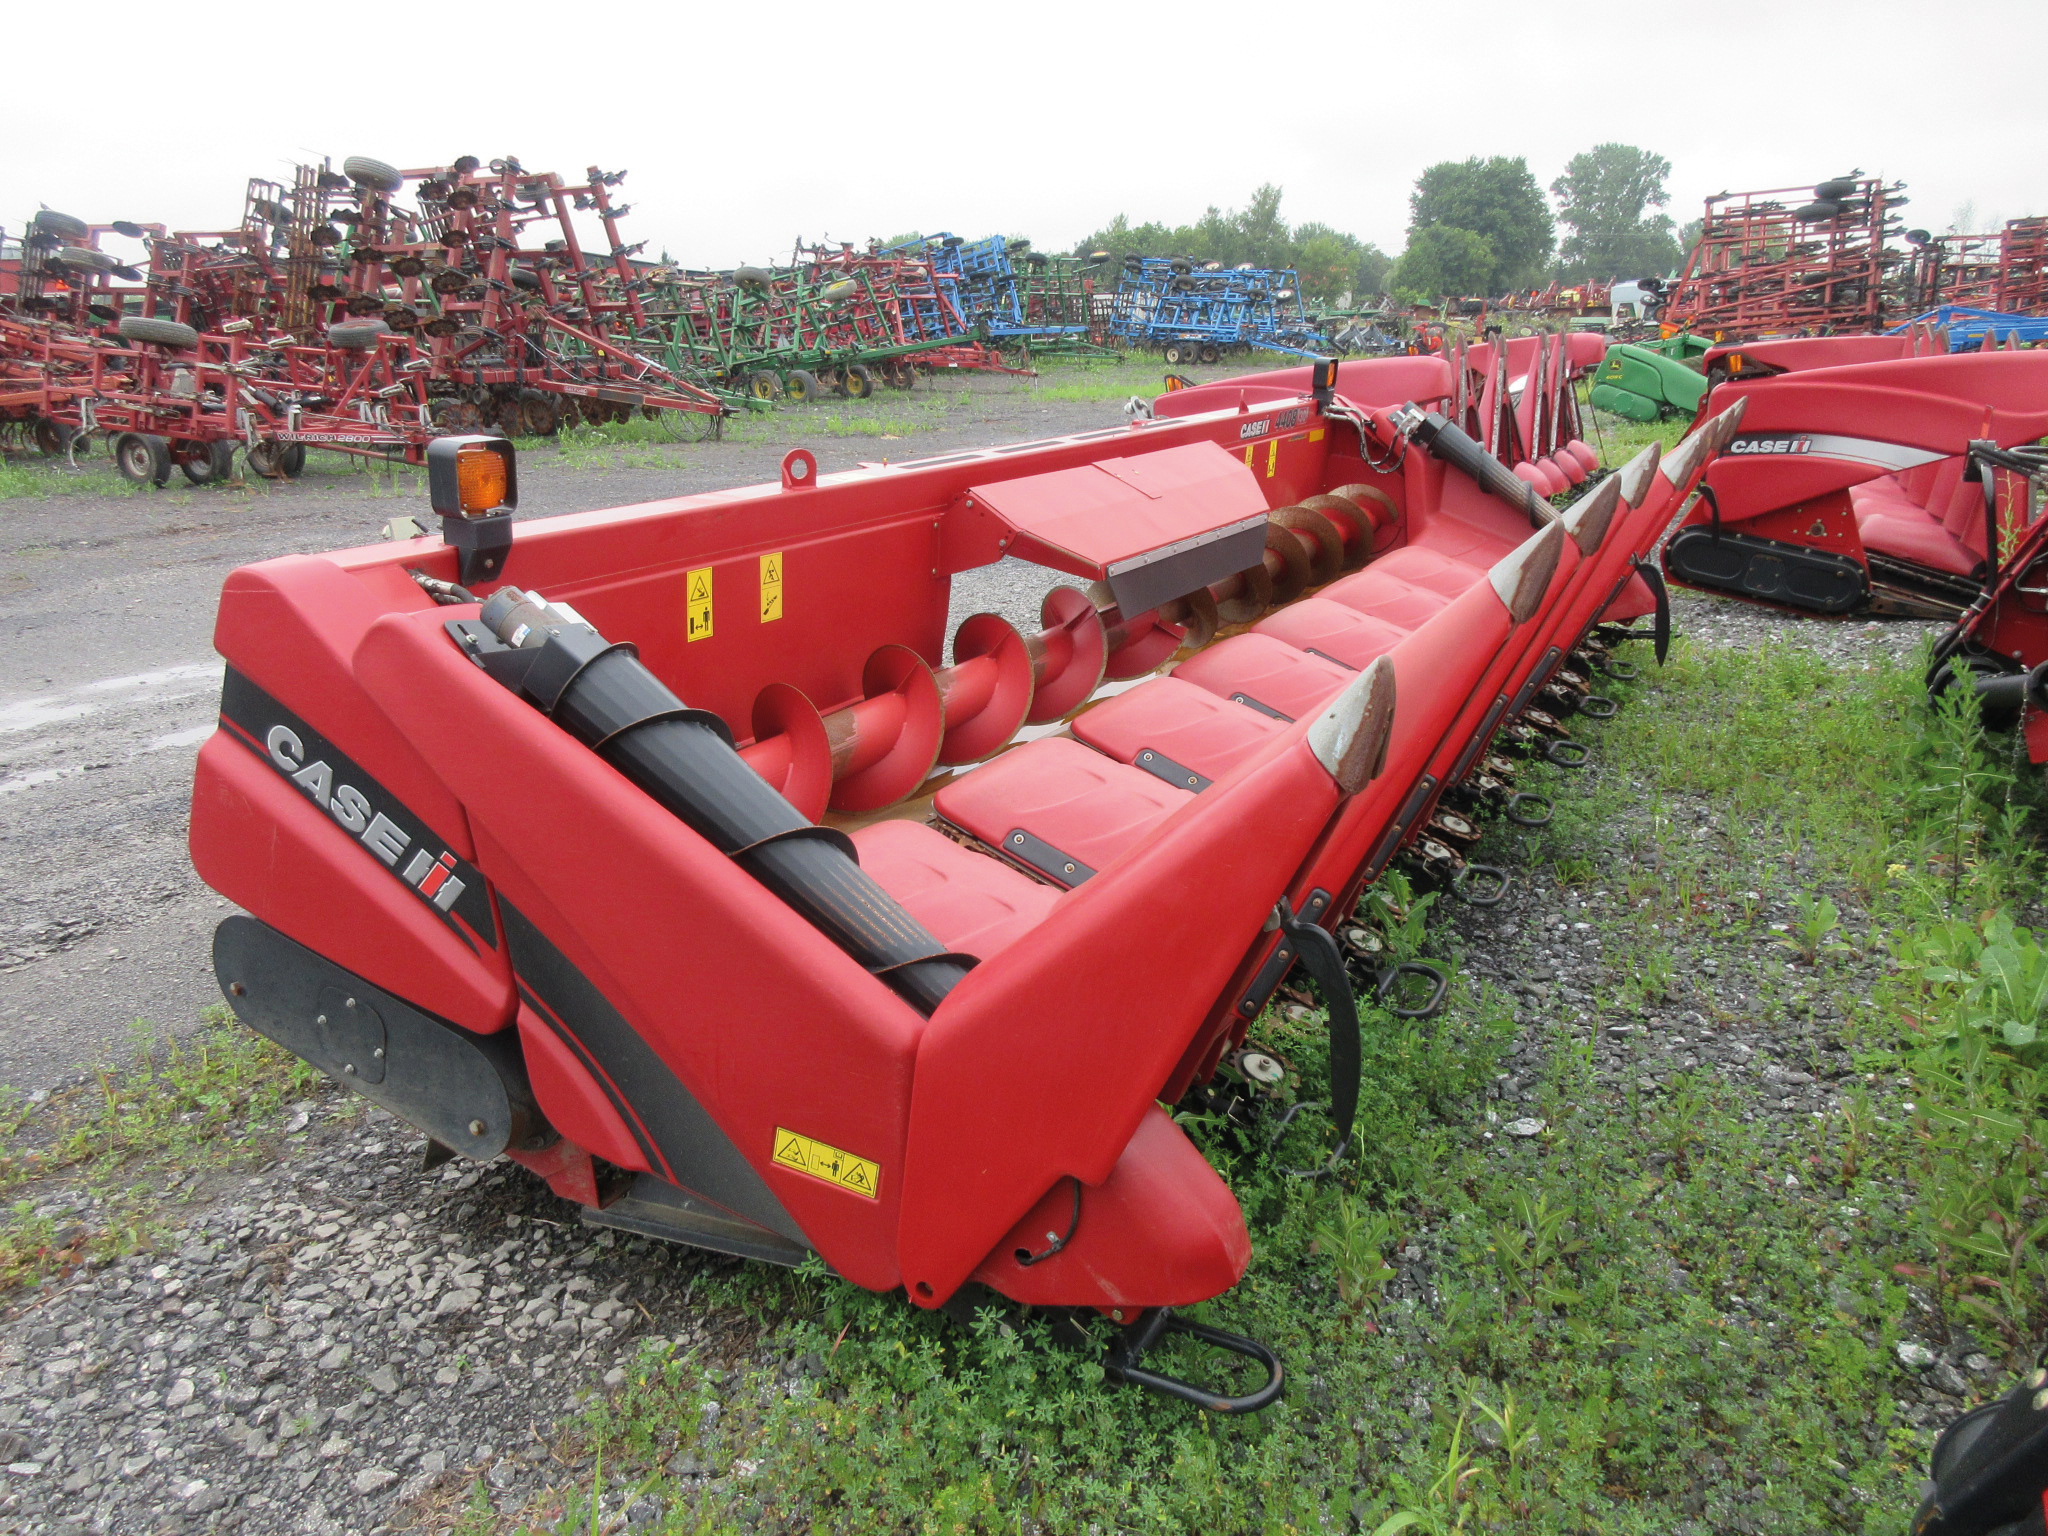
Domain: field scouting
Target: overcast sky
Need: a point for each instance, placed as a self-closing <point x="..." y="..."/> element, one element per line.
<point x="747" y="125"/>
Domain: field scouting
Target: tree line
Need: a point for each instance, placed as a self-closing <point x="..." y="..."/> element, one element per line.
<point x="1475" y="227"/>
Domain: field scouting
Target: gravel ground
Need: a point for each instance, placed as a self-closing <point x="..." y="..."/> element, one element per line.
<point x="340" y="1344"/>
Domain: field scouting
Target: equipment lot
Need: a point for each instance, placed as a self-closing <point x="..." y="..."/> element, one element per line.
<point x="1625" y="1260"/>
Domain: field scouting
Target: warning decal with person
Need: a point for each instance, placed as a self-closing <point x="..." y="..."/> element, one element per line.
<point x="806" y="1154"/>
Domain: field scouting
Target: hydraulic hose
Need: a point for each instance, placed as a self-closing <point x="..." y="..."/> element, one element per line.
<point x="605" y="697"/>
<point x="1443" y="439"/>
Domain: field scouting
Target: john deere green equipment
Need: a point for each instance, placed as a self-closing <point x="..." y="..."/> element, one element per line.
<point x="1647" y="382"/>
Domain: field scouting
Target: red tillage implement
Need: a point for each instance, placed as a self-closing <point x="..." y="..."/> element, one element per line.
<point x="676" y="885"/>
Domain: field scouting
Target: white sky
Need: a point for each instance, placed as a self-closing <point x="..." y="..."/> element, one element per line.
<point x="746" y="125"/>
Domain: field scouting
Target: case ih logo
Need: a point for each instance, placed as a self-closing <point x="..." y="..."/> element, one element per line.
<point x="434" y="878"/>
<point x="1770" y="445"/>
<point x="361" y="807"/>
<point x="1257" y="428"/>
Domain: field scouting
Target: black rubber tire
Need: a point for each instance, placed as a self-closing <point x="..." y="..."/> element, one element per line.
<point x="293" y="460"/>
<point x="752" y="277"/>
<point x="801" y="386"/>
<point x="762" y="384"/>
<point x="838" y="292"/>
<point x="53" y="222"/>
<point x="1209" y="354"/>
<point x="1174" y="354"/>
<point x="356" y="335"/>
<point x="163" y="333"/>
<point x="523" y="277"/>
<point x="1817" y="212"/>
<point x="1950" y="672"/>
<point x="85" y="256"/>
<point x="142" y="458"/>
<point x="374" y="174"/>
<point x="860" y="380"/>
<point x="1957" y="1438"/>
<point x="217" y="464"/>
<point x="1834" y="191"/>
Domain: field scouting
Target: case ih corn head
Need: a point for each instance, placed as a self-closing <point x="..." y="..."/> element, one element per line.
<point x="667" y="852"/>
<point x="1852" y="487"/>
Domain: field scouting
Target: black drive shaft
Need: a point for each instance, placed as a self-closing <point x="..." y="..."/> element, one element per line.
<point x="1442" y="438"/>
<point x="605" y="697"/>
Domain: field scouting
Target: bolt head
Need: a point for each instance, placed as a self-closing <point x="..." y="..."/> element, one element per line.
<point x="477" y="1127"/>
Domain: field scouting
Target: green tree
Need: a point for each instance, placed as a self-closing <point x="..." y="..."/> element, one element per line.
<point x="1443" y="261"/>
<point x="1496" y="199"/>
<point x="1605" y="198"/>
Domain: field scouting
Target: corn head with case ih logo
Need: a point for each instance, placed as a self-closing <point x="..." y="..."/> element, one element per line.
<point x="668" y="852"/>
<point x="1852" y="487"/>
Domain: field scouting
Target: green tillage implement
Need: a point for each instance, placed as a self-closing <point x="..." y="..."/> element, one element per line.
<point x="1644" y="383"/>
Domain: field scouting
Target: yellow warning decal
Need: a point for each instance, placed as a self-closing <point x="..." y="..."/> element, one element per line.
<point x="1315" y="434"/>
<point x="807" y="1155"/>
<point x="697" y="604"/>
<point x="1249" y="451"/>
<point x="1272" y="456"/>
<point x="771" y="587"/>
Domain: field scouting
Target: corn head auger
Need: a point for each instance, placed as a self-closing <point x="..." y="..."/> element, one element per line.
<point x="707" y="887"/>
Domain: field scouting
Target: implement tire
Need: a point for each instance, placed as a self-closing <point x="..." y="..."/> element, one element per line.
<point x="162" y="333"/>
<point x="374" y="174"/>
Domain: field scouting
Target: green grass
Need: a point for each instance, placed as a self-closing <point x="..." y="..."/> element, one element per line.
<point x="24" y="477"/>
<point x="1669" y="1313"/>
<point x="97" y="1170"/>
